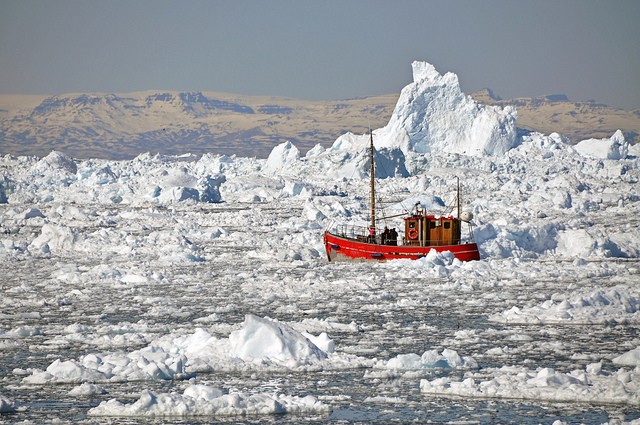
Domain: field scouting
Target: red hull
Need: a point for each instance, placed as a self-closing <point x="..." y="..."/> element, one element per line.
<point x="339" y="248"/>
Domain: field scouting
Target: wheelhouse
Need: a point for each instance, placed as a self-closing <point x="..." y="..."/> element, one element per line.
<point x="421" y="229"/>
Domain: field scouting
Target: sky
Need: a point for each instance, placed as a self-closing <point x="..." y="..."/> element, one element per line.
<point x="322" y="50"/>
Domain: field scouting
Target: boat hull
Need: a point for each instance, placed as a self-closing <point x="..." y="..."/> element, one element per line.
<point x="346" y="249"/>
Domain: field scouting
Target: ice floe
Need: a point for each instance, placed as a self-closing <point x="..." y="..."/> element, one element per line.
<point x="591" y="384"/>
<point x="602" y="305"/>
<point x="201" y="400"/>
<point x="6" y="405"/>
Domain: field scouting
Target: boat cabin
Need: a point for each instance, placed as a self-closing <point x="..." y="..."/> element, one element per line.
<point x="421" y="229"/>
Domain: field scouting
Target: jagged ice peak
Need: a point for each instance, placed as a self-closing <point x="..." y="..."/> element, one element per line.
<point x="434" y="115"/>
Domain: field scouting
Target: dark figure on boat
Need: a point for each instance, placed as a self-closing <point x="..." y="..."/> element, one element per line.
<point x="385" y="235"/>
<point x="389" y="236"/>
<point x="393" y="237"/>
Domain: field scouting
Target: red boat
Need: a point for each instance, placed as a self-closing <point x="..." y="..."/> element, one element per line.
<point x="422" y="233"/>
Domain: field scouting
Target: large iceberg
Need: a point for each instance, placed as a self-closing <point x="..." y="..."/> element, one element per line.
<point x="433" y="114"/>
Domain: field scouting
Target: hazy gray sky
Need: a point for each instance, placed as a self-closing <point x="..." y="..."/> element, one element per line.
<point x="324" y="49"/>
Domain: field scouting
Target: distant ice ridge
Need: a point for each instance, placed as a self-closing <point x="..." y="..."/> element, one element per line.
<point x="145" y="178"/>
<point x="564" y="195"/>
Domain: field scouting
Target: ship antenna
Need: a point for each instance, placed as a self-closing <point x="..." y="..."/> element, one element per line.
<point x="373" y="183"/>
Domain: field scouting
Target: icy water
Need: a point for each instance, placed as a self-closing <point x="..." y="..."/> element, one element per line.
<point x="64" y="309"/>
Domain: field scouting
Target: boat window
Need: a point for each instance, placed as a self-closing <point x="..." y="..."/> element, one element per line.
<point x="447" y="224"/>
<point x="432" y="224"/>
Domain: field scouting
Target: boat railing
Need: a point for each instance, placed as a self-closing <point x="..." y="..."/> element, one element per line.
<point x="361" y="233"/>
<point x="351" y="232"/>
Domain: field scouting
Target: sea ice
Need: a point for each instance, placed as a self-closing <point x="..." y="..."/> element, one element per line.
<point x="265" y="340"/>
<point x="431" y="359"/>
<point x="122" y="274"/>
<point x="614" y="147"/>
<point x="281" y="157"/>
<point x="87" y="390"/>
<point x="630" y="358"/>
<point x="259" y="343"/>
<point x="6" y="405"/>
<point x="514" y="382"/>
<point x="601" y="305"/>
<point x="201" y="400"/>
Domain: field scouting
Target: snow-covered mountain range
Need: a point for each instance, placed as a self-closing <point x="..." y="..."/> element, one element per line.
<point x="120" y="126"/>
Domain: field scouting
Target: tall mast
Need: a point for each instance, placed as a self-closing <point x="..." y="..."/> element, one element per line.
<point x="458" y="196"/>
<point x="373" y="182"/>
